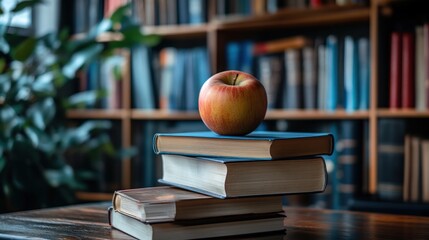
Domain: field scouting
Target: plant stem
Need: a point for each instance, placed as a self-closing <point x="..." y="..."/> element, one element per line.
<point x="235" y="79"/>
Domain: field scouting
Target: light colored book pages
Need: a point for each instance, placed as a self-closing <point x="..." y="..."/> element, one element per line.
<point x="415" y="169"/>
<point x="425" y="170"/>
<point x="321" y="77"/>
<point x="407" y="169"/>
<point x="309" y="78"/>
<point x="364" y="73"/>
<point x="293" y="79"/>
<point x="420" y="68"/>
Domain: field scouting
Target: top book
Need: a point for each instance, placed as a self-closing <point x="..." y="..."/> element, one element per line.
<point x="256" y="145"/>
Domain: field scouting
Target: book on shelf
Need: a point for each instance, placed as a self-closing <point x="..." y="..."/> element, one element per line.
<point x="390" y="157"/>
<point x="351" y="83"/>
<point x="292" y="99"/>
<point x="425" y="170"/>
<point x="280" y="45"/>
<point x="364" y="73"/>
<point x="420" y="68"/>
<point x="200" y="228"/>
<point x="270" y="68"/>
<point x="256" y="145"/>
<point x="331" y="72"/>
<point x="408" y="94"/>
<point x="166" y="204"/>
<point x="238" y="177"/>
<point x="395" y="70"/>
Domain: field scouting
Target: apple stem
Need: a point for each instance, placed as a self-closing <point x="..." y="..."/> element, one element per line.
<point x="235" y="79"/>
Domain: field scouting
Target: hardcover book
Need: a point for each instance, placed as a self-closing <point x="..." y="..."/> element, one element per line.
<point x="234" y="177"/>
<point x="199" y="228"/>
<point x="164" y="204"/>
<point x="256" y="145"/>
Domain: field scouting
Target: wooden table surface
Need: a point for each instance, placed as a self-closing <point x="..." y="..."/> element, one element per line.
<point x="89" y="221"/>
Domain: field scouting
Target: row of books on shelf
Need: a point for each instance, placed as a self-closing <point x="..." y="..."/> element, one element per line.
<point x="409" y="71"/>
<point x="222" y="185"/>
<point x="105" y="76"/>
<point x="299" y="73"/>
<point x="169" y="79"/>
<point x="403" y="163"/>
<point x="171" y="12"/>
<point x="191" y="12"/>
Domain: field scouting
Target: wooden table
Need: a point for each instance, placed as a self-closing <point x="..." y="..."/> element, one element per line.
<point x="90" y="222"/>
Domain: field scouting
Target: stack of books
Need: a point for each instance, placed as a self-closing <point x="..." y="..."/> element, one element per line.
<point x="222" y="186"/>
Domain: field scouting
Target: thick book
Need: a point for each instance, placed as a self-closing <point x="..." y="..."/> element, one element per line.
<point x="198" y="228"/>
<point x="165" y="204"/>
<point x="233" y="177"/>
<point x="256" y="145"/>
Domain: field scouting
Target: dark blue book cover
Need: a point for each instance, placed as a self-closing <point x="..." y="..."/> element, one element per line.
<point x="256" y="145"/>
<point x="349" y="147"/>
<point x="390" y="155"/>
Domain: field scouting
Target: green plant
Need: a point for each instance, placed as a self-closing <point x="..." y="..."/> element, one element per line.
<point x="34" y="135"/>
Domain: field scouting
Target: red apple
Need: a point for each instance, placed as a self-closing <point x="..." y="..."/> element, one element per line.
<point x="232" y="103"/>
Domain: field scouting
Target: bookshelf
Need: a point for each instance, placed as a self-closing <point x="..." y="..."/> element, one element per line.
<point x="217" y="32"/>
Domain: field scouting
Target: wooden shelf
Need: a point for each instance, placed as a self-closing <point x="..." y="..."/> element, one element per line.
<point x="298" y="18"/>
<point x="178" y="31"/>
<point x="97" y="114"/>
<point x="315" y="115"/>
<point x="402" y="113"/>
<point x="163" y="115"/>
<point x="271" y="115"/>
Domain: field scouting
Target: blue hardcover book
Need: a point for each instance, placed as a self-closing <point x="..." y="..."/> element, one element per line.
<point x="348" y="154"/>
<point x="331" y="72"/>
<point x="232" y="177"/>
<point x="233" y="56"/>
<point x="256" y="145"/>
<point x="177" y="94"/>
<point x="390" y="155"/>
<point x="142" y="79"/>
<point x="364" y="72"/>
<point x="197" y="11"/>
<point x="351" y="83"/>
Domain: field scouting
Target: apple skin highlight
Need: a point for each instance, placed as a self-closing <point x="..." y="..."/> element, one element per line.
<point x="232" y="103"/>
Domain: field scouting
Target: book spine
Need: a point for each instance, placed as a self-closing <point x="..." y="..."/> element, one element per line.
<point x="390" y="159"/>
<point x="420" y="88"/>
<point x="332" y="72"/>
<point x="395" y="70"/>
<point x="364" y="73"/>
<point x="426" y="57"/>
<point x="293" y="79"/>
<point x="350" y="75"/>
<point x="407" y="70"/>
<point x="309" y="78"/>
<point x="348" y="149"/>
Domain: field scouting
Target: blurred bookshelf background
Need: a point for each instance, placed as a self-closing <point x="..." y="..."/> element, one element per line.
<point x="355" y="68"/>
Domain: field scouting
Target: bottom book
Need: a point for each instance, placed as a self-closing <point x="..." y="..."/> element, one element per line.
<point x="201" y="228"/>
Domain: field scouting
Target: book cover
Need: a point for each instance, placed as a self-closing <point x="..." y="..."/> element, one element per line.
<point x="331" y="72"/>
<point x="197" y="229"/>
<point x="166" y="204"/>
<point x="292" y="99"/>
<point x="351" y="83"/>
<point x="256" y="145"/>
<point x="395" y="77"/>
<point x="348" y="162"/>
<point x="309" y="78"/>
<point x="231" y="177"/>
<point x="364" y="73"/>
<point x="408" y="94"/>
<point x="420" y="68"/>
<point x="390" y="159"/>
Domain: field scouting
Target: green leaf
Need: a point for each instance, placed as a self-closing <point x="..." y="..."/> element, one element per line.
<point x="104" y="26"/>
<point x="119" y="13"/>
<point x="44" y="84"/>
<point x="32" y="135"/>
<point x="25" y="49"/>
<point x="133" y="34"/>
<point x="80" y="58"/>
<point x="82" y="99"/>
<point x="41" y="113"/>
<point x="25" y="4"/>
<point x="2" y="64"/>
<point x="4" y="45"/>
